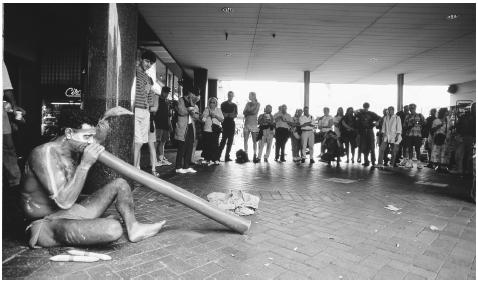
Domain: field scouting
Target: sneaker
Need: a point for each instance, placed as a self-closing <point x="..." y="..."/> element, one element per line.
<point x="190" y="170"/>
<point x="228" y="160"/>
<point x="166" y="162"/>
<point x="312" y="161"/>
<point x="155" y="173"/>
<point x="256" y="160"/>
<point x="282" y="160"/>
<point x="181" y="170"/>
<point x="216" y="162"/>
<point x="409" y="164"/>
<point x="210" y="163"/>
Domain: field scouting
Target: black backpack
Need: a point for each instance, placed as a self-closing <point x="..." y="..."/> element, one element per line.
<point x="241" y="157"/>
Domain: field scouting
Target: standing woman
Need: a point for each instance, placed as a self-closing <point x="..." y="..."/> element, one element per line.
<point x="337" y="119"/>
<point x="348" y="132"/>
<point x="250" y="123"/>
<point x="440" y="131"/>
<point x="185" y="132"/>
<point x="296" y="132"/>
<point x="212" y="118"/>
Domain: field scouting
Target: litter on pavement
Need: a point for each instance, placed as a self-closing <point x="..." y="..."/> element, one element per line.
<point x="236" y="201"/>
<point x="392" y="208"/>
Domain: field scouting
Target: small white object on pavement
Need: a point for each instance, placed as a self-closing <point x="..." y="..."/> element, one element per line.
<point x="434" y="228"/>
<point x="392" y="208"/>
<point x="89" y="254"/>
<point x="74" y="258"/>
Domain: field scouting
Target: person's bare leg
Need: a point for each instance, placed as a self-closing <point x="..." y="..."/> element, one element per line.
<point x="254" y="142"/>
<point x="119" y="189"/>
<point x="152" y="154"/>
<point x="137" y="152"/>
<point x="246" y="140"/>
<point x="74" y="232"/>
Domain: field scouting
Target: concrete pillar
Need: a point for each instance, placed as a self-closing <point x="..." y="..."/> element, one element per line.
<point x="200" y="82"/>
<point x="400" y="80"/>
<point x="112" y="35"/>
<point x="211" y="88"/>
<point x="306" y="87"/>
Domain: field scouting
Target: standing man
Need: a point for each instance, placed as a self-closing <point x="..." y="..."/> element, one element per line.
<point x="163" y="125"/>
<point x="391" y="130"/>
<point x="366" y="123"/>
<point x="229" y="110"/>
<point x="324" y="124"/>
<point x="266" y="133"/>
<point x="413" y="125"/>
<point x="403" y="115"/>
<point x="250" y="123"/>
<point x="142" y="103"/>
<point x="283" y="122"/>
<point x="306" y="125"/>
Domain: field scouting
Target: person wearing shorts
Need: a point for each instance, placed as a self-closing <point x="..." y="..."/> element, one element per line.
<point x="143" y="101"/>
<point x="250" y="123"/>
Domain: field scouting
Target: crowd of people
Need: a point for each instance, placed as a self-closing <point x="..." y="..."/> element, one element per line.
<point x="403" y="139"/>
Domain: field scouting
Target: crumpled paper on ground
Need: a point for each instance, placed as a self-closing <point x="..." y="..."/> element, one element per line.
<point x="236" y="201"/>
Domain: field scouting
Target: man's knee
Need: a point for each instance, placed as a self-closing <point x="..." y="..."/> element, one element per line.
<point x="121" y="183"/>
<point x="113" y="230"/>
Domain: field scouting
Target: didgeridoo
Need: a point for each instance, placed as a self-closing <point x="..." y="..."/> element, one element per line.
<point x="194" y="202"/>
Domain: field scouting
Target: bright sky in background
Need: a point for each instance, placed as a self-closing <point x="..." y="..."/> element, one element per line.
<point x="333" y="96"/>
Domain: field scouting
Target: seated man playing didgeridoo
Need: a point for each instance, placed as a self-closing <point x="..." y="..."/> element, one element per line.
<point x="54" y="177"/>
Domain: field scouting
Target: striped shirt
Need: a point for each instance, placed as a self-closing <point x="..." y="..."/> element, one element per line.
<point x="144" y="97"/>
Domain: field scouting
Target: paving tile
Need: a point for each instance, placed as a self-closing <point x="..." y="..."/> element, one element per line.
<point x="388" y="272"/>
<point x="174" y="264"/>
<point x="428" y="263"/>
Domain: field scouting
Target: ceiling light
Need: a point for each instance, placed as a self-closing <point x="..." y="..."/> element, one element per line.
<point x="228" y="54"/>
<point x="452" y="17"/>
<point x="227" y="10"/>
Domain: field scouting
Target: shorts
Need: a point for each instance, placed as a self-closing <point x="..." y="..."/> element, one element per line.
<point x="411" y="141"/>
<point x="162" y="135"/>
<point x="77" y="212"/>
<point x="141" y="125"/>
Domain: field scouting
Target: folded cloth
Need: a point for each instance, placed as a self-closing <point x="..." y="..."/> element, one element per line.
<point x="237" y="201"/>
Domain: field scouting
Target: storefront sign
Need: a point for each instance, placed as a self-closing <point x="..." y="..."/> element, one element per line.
<point x="73" y="93"/>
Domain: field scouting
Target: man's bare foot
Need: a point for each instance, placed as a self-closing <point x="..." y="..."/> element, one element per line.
<point x="141" y="231"/>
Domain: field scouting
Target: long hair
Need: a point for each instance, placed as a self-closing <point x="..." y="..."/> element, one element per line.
<point x="442" y="112"/>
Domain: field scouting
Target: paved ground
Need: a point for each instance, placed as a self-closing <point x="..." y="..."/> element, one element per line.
<point x="313" y="222"/>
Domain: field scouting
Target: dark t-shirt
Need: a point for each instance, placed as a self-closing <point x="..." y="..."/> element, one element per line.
<point x="366" y="119"/>
<point x="228" y="108"/>
<point x="162" y="115"/>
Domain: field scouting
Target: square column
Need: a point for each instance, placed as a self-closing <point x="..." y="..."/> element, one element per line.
<point x="306" y="88"/>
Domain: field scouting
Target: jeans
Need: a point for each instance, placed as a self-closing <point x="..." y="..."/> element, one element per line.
<point x="227" y="136"/>
<point x="185" y="149"/>
<point x="282" y="135"/>
<point x="10" y="161"/>
<point x="267" y="137"/>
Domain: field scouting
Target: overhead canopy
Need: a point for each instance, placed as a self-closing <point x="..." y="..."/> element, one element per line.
<point x="432" y="44"/>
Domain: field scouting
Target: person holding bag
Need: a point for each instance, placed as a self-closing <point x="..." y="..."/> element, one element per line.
<point x="212" y="118"/>
<point x="441" y="134"/>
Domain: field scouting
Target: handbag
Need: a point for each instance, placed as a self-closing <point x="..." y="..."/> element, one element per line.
<point x="216" y="128"/>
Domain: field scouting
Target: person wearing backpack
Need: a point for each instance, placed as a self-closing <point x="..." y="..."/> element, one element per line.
<point x="441" y="135"/>
<point x="413" y="128"/>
